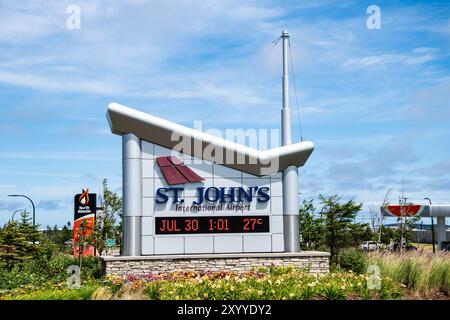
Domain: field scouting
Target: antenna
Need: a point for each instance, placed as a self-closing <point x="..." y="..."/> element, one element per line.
<point x="290" y="174"/>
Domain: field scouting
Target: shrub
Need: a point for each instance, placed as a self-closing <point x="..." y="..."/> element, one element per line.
<point x="43" y="273"/>
<point x="91" y="267"/>
<point x="353" y="259"/>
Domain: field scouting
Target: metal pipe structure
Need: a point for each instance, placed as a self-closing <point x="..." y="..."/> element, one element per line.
<point x="432" y="224"/>
<point x="132" y="190"/>
<point x="12" y="217"/>
<point x="290" y="174"/>
<point x="441" y="228"/>
<point x="425" y="211"/>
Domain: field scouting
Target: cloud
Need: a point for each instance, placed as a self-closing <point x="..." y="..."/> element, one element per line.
<point x="438" y="169"/>
<point x="362" y="167"/>
<point x="49" y="205"/>
<point x="430" y="102"/>
<point x="416" y="57"/>
<point x="59" y="155"/>
<point x="440" y="184"/>
<point x="8" y="205"/>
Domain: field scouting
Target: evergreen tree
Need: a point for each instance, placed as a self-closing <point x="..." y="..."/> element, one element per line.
<point x="12" y="245"/>
<point x="338" y="220"/>
<point x="21" y="241"/>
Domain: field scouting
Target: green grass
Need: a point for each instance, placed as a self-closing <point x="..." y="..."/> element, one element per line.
<point x="420" y="272"/>
<point x="84" y="293"/>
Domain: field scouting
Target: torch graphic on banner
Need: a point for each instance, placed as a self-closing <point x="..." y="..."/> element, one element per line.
<point x="85" y="205"/>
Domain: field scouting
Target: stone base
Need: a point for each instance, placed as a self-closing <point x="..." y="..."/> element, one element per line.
<point x="314" y="261"/>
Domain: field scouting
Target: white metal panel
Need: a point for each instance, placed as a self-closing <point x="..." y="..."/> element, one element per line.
<point x="276" y="225"/>
<point x="148" y="151"/>
<point x="277" y="243"/>
<point x="148" y="189"/>
<point x="148" y="206"/>
<point x="147" y="168"/>
<point x="147" y="245"/>
<point x="257" y="243"/>
<point x="147" y="228"/>
<point x="169" y="245"/>
<point x="276" y="204"/>
<point x="228" y="244"/>
<point x="199" y="244"/>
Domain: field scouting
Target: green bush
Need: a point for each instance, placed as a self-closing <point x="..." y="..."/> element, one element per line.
<point x="17" y="278"/>
<point x="353" y="259"/>
<point x="91" y="267"/>
<point x="42" y="273"/>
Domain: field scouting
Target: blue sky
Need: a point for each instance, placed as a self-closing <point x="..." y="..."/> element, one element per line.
<point x="376" y="103"/>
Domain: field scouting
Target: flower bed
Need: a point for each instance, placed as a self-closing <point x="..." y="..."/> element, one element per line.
<point x="278" y="283"/>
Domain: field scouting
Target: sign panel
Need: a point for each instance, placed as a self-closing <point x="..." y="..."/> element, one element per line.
<point x="111" y="243"/>
<point x="411" y="210"/>
<point x="190" y="205"/>
<point x="213" y="224"/>
<point x="85" y="209"/>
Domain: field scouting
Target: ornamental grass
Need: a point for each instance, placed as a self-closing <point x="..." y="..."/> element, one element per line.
<point x="421" y="272"/>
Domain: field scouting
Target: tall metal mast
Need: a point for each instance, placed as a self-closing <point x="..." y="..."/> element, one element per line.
<point x="290" y="174"/>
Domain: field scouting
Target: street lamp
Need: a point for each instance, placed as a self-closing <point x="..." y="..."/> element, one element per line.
<point x="32" y="204"/>
<point x="432" y="224"/>
<point x="12" y="218"/>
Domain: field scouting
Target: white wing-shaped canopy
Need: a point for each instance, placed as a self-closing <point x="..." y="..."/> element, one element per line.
<point x="124" y="120"/>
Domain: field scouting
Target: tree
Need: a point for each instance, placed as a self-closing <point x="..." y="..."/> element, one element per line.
<point x="12" y="245"/>
<point x="403" y="234"/>
<point x="21" y="241"/>
<point x="376" y="217"/>
<point x="83" y="240"/>
<point x="386" y="235"/>
<point x="60" y="236"/>
<point x="385" y="204"/>
<point x="338" y="218"/>
<point x="360" y="232"/>
<point x="106" y="226"/>
<point x="311" y="229"/>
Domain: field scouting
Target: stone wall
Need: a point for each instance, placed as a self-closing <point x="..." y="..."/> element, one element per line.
<point x="315" y="262"/>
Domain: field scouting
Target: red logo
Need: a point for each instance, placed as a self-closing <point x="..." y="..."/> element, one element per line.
<point x="84" y="197"/>
<point x="410" y="210"/>
<point x="176" y="172"/>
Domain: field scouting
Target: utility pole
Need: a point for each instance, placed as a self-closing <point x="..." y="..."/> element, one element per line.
<point x="290" y="174"/>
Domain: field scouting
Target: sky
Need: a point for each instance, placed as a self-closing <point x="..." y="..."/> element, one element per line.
<point x="375" y="102"/>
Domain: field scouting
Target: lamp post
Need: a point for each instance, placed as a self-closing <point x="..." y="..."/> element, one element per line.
<point x="432" y="223"/>
<point x="32" y="204"/>
<point x="12" y="218"/>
